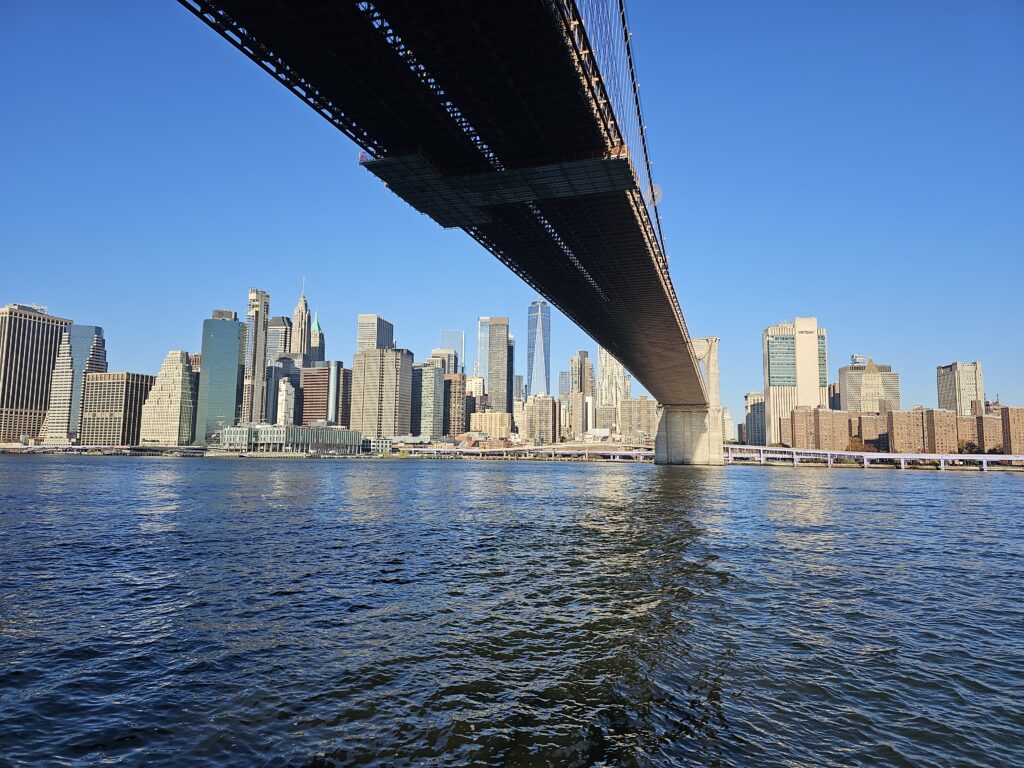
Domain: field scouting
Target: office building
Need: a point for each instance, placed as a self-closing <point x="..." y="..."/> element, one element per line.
<point x="299" y="342"/>
<point x="795" y="371"/>
<point x="483" y="342"/>
<point x="195" y="361"/>
<point x="168" y="414"/>
<point x="382" y="392"/>
<point x="427" y="402"/>
<point x="563" y="383"/>
<point x="1013" y="431"/>
<point x="279" y="337"/>
<point x="287" y="367"/>
<point x="455" y="419"/>
<point x="455" y="340"/>
<point x="475" y="386"/>
<point x="728" y="430"/>
<point x="540" y="420"/>
<point x="446" y="359"/>
<point x="317" y="342"/>
<point x="518" y="386"/>
<point x="499" y="365"/>
<point x="82" y="350"/>
<point x="254" y="385"/>
<point x="374" y="332"/>
<point x="959" y="385"/>
<point x="753" y="409"/>
<point x="220" y="384"/>
<point x="112" y="408"/>
<point x="325" y="394"/>
<point x="29" y="342"/>
<point x="538" y="349"/>
<point x="581" y="374"/>
<point x="867" y="387"/>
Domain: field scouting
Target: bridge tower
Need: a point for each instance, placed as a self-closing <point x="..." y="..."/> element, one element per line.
<point x="691" y="433"/>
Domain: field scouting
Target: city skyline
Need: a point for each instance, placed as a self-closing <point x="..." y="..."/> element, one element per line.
<point x="341" y="227"/>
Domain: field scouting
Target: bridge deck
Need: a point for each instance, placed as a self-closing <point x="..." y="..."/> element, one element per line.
<point x="476" y="89"/>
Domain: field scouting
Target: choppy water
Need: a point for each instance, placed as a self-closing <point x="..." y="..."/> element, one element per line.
<point x="173" y="612"/>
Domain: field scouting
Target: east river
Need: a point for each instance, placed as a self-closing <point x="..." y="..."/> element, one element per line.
<point x="372" y="612"/>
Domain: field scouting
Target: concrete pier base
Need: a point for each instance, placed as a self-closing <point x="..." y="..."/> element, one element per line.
<point x="692" y="434"/>
<point x="689" y="436"/>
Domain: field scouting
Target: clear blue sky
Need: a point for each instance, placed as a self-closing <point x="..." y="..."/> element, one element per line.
<point x="860" y="162"/>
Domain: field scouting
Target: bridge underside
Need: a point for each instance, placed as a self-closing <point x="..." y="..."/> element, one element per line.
<point x="492" y="117"/>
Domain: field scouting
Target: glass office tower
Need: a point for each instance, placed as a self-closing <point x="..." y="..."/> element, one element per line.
<point x="220" y="385"/>
<point x="538" y="349"/>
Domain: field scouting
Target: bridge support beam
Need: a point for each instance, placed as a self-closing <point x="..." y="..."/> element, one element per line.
<point x="692" y="434"/>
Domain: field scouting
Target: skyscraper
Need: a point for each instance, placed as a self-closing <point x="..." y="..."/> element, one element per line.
<point x="498" y="382"/>
<point x="614" y="384"/>
<point x="300" y="325"/>
<point x="325" y="389"/>
<point x="279" y="337"/>
<point x="82" y="350"/>
<point x="538" y="349"/>
<point x="482" y="346"/>
<point x="112" y="408"/>
<point x="448" y="358"/>
<point x="285" y="414"/>
<point x="455" y="340"/>
<point x="753" y="407"/>
<point x="382" y="392"/>
<point x="580" y="397"/>
<point x="795" y="371"/>
<point x="254" y="387"/>
<point x="29" y="340"/>
<point x="427" y="402"/>
<point x="454" y="404"/>
<point x="859" y="386"/>
<point x="374" y="332"/>
<point x="220" y="385"/>
<point x="959" y="385"/>
<point x="167" y="415"/>
<point x="317" y="343"/>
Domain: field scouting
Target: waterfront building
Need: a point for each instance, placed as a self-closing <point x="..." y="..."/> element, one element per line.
<point x="446" y="359"/>
<point x="872" y="429"/>
<point x="538" y="349"/>
<point x="456" y="341"/>
<point x="112" y="408"/>
<point x="868" y="387"/>
<point x="959" y="385"/>
<point x="753" y="407"/>
<point x="819" y="428"/>
<point x="795" y="371"/>
<point x="374" y="332"/>
<point x="906" y="431"/>
<point x="254" y="385"/>
<point x="990" y="433"/>
<point x="285" y="411"/>
<point x="220" y="385"/>
<point x="274" y="438"/>
<point x="325" y="393"/>
<point x="498" y="382"/>
<point x="967" y="431"/>
<point x="1013" y="431"/>
<point x="940" y="431"/>
<point x="317" y="342"/>
<point x="382" y="392"/>
<point x="614" y="383"/>
<point x="29" y="341"/>
<point x="427" y="401"/>
<point x="299" y="341"/>
<point x="638" y="419"/>
<point x="279" y="337"/>
<point x="168" y="414"/>
<point x="495" y="424"/>
<point x="605" y="417"/>
<point x="82" y="350"/>
<point x="455" y="404"/>
<point x="483" y="342"/>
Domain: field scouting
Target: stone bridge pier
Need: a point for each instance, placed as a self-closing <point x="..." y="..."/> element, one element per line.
<point x="692" y="433"/>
